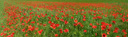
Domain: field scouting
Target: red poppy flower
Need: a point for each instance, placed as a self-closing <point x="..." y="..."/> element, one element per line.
<point x="105" y="15"/>
<point x="40" y="31"/>
<point x="42" y="15"/>
<point x="103" y="27"/>
<point x="108" y="30"/>
<point x="61" y="20"/>
<point x="75" y="24"/>
<point x="26" y="34"/>
<point x="116" y="30"/>
<point x="84" y="16"/>
<point x="60" y="30"/>
<point x="44" y="24"/>
<point x="23" y="30"/>
<point x="36" y="28"/>
<point x="94" y="14"/>
<point x="104" y="35"/>
<point x="85" y="30"/>
<point x="56" y="35"/>
<point x="81" y="25"/>
<point x="110" y="25"/>
<point x="117" y="36"/>
<point x="53" y="26"/>
<point x="97" y="23"/>
<point x="66" y="30"/>
<point x="127" y="20"/>
<point x="1" y="34"/>
<point x="24" y="14"/>
<point x="75" y="21"/>
<point x="22" y="23"/>
<point x="127" y="15"/>
<point x="94" y="17"/>
<point x="99" y="17"/>
<point x="49" y="18"/>
<point x="90" y="24"/>
<point x="124" y="31"/>
<point x="45" y="14"/>
<point x="51" y="15"/>
<point x="33" y="22"/>
<point x="123" y="19"/>
<point x="72" y="17"/>
<point x="12" y="34"/>
<point x="31" y="12"/>
<point x="36" y="19"/>
<point x="62" y="16"/>
<point x="31" y="28"/>
<point x="114" y="22"/>
<point x="57" y="25"/>
<point x="94" y="27"/>
<point x="49" y="22"/>
<point x="57" y="18"/>
<point x="66" y="22"/>
<point x="103" y="23"/>
<point x="38" y="16"/>
<point x="124" y="35"/>
<point x="84" y="19"/>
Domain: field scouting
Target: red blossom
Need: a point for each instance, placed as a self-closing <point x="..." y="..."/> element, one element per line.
<point x="114" y="22"/>
<point x="75" y="20"/>
<point x="36" y="28"/>
<point x="99" y="17"/>
<point x="38" y="16"/>
<point x="75" y="24"/>
<point x="72" y="17"/>
<point x="66" y="30"/>
<point x="94" y="26"/>
<point x="116" y="30"/>
<point x="33" y="22"/>
<point x="84" y="16"/>
<point x="85" y="30"/>
<point x="108" y="30"/>
<point x="60" y="30"/>
<point x="56" y="35"/>
<point x="61" y="20"/>
<point x="26" y="34"/>
<point x="1" y="34"/>
<point x="49" y="18"/>
<point x="117" y="36"/>
<point x="36" y="19"/>
<point x="123" y="19"/>
<point x="94" y="17"/>
<point x="90" y="24"/>
<point x="44" y="24"/>
<point x="53" y="26"/>
<point x="124" y="35"/>
<point x="104" y="35"/>
<point x="57" y="25"/>
<point x="23" y="30"/>
<point x="49" y="22"/>
<point x="40" y="31"/>
<point x="84" y="19"/>
<point x="22" y="23"/>
<point x="110" y="25"/>
<point x="66" y="22"/>
<point x="103" y="27"/>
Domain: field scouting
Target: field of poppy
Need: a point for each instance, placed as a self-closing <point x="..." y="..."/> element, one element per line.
<point x="64" y="19"/>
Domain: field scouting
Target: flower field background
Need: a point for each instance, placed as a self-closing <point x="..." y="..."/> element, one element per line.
<point x="50" y="18"/>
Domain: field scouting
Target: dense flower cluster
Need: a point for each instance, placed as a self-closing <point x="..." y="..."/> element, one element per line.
<point x="59" y="19"/>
